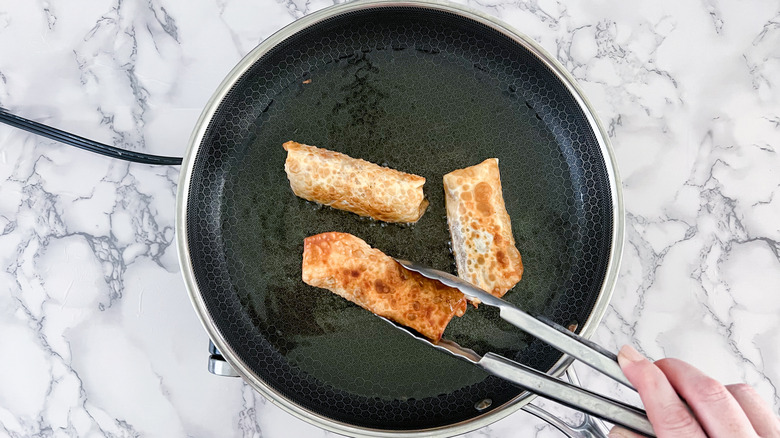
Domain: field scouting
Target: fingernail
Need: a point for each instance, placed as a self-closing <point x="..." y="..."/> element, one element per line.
<point x="628" y="354"/>
<point x="618" y="432"/>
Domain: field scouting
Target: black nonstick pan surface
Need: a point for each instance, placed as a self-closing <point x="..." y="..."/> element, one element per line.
<point x="425" y="91"/>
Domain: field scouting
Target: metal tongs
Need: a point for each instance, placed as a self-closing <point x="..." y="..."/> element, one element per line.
<point x="539" y="383"/>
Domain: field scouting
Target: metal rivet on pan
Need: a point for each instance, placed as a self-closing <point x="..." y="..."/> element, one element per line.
<point x="483" y="404"/>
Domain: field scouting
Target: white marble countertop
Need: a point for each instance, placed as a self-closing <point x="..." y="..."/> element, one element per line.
<point x="97" y="332"/>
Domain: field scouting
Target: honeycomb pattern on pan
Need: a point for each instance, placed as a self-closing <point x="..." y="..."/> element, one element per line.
<point x="424" y="92"/>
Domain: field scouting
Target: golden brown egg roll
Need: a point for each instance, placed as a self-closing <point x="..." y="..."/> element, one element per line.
<point x="349" y="267"/>
<point x="355" y="185"/>
<point x="481" y="232"/>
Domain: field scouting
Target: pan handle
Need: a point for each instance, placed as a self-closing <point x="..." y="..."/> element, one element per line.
<point x="218" y="365"/>
<point x="590" y="427"/>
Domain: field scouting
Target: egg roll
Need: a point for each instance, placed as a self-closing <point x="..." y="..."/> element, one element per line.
<point x="480" y="228"/>
<point x="334" y="179"/>
<point x="349" y="267"/>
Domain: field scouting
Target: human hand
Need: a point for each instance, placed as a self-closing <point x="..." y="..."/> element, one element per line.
<point x="715" y="410"/>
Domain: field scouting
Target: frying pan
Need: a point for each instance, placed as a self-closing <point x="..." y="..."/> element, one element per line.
<point x="425" y="88"/>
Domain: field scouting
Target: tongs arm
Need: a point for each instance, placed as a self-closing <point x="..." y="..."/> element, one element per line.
<point x="547" y="331"/>
<point x="534" y="381"/>
<point x="567" y="394"/>
<point x="587" y="352"/>
<point x="544" y="385"/>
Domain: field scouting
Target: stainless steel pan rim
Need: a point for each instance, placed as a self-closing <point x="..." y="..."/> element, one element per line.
<point x="185" y="261"/>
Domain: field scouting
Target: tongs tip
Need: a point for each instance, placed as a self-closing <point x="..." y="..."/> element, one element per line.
<point x="474" y="294"/>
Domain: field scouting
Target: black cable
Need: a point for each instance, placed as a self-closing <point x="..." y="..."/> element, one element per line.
<point x="83" y="143"/>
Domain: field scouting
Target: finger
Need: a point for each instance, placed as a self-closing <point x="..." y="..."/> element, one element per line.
<point x="716" y="409"/>
<point x="619" y="432"/>
<point x="760" y="415"/>
<point x="668" y="414"/>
